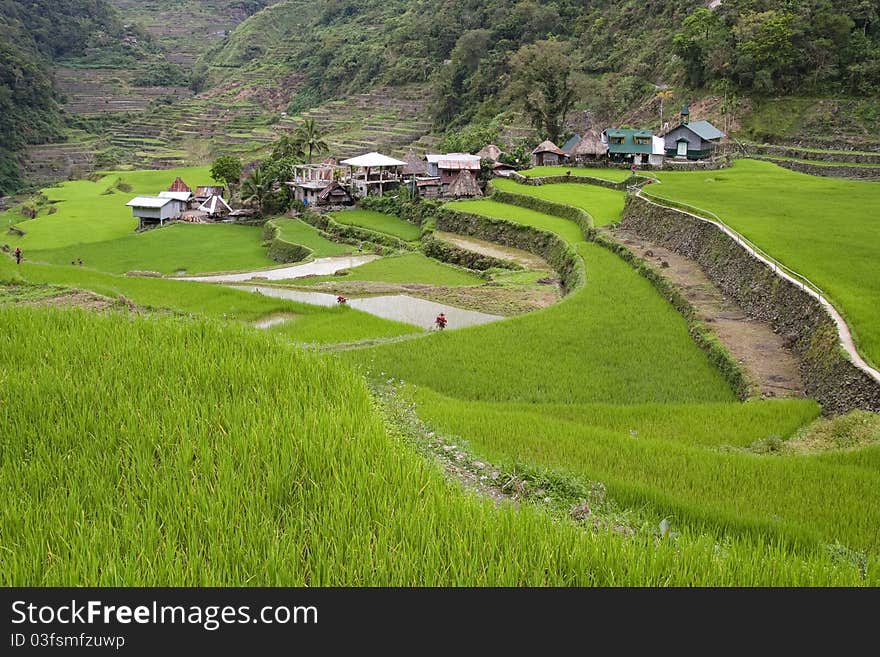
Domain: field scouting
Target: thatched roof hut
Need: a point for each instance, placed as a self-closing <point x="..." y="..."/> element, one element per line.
<point x="590" y="146"/>
<point x="464" y="185"/>
<point x="415" y="165"/>
<point x="491" y="152"/>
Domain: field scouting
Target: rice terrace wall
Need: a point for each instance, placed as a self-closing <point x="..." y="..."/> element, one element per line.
<point x="830" y="376"/>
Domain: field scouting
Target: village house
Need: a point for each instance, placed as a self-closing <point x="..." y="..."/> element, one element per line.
<point x="502" y="169"/>
<point x="692" y="141"/>
<point x="215" y="207"/>
<point x="464" y="185"/>
<point x="589" y="148"/>
<point x="204" y="192"/>
<point x="489" y="152"/>
<point x="334" y="195"/>
<point x="309" y="180"/>
<point x="570" y="144"/>
<point x="151" y="211"/>
<point x="373" y="174"/>
<point x="548" y="154"/>
<point x="186" y="198"/>
<point x="628" y="145"/>
<point x="449" y="167"/>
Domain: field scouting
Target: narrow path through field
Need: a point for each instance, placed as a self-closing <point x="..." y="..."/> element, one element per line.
<point x="520" y="257"/>
<point x="769" y="364"/>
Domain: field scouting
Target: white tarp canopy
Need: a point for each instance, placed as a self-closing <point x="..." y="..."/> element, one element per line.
<point x="371" y="160"/>
<point x="149" y="202"/>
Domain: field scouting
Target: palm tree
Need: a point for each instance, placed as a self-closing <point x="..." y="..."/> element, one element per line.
<point x="256" y="189"/>
<point x="288" y="146"/>
<point x="312" y="138"/>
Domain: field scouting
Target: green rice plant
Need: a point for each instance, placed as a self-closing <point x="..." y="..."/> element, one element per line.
<point x="567" y="230"/>
<point x="403" y="268"/>
<point x="221" y="458"/>
<point x="804" y="500"/>
<point x="615" y="340"/>
<point x="299" y="232"/>
<point x="604" y="205"/>
<point x="178" y="248"/>
<point x="823" y="228"/>
<point x="309" y="324"/>
<point x="85" y="214"/>
<point x="382" y="223"/>
<point x="613" y="175"/>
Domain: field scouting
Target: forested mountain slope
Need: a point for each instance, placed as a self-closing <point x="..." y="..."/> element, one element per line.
<point x="477" y="66"/>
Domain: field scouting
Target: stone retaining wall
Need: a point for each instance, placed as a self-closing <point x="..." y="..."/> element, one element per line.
<point x="801" y="154"/>
<point x="827" y="170"/>
<point x="830" y="377"/>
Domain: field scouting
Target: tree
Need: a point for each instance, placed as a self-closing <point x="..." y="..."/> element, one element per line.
<point x="312" y="138"/>
<point x="256" y="190"/>
<point x="227" y="169"/>
<point x="542" y="83"/>
<point x="288" y="146"/>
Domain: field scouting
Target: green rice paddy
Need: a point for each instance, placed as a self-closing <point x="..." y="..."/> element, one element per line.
<point x="614" y="175"/>
<point x="252" y="461"/>
<point x="603" y="204"/>
<point x="823" y="228"/>
<point x="382" y="223"/>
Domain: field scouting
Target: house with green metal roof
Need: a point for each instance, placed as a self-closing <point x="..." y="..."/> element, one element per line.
<point x="625" y="144"/>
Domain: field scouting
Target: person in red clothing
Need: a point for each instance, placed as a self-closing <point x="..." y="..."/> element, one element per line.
<point x="18" y="255"/>
<point x="440" y="322"/>
<point x="341" y="299"/>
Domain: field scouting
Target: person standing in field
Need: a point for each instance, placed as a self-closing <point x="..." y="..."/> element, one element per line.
<point x="440" y="322"/>
<point x="18" y="255"/>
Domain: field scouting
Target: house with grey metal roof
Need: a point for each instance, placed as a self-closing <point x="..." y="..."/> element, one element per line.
<point x="693" y="140"/>
<point x="155" y="210"/>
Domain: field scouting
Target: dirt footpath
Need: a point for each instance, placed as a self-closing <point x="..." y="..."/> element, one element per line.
<point x="763" y="354"/>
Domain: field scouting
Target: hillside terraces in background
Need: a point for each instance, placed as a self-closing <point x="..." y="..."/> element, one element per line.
<point x="92" y="92"/>
<point x="184" y="29"/>
<point x="386" y="120"/>
<point x="230" y="121"/>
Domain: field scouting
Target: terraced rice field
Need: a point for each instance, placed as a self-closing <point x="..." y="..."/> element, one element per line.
<point x="166" y="476"/>
<point x="824" y="228"/>
<point x="379" y="222"/>
<point x="613" y="175"/>
<point x="602" y="401"/>
<point x="577" y="403"/>
<point x="604" y="205"/>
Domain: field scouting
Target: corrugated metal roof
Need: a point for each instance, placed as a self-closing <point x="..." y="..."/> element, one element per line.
<point x="705" y="130"/>
<point x="177" y="196"/>
<point x="573" y="141"/>
<point x="629" y="145"/>
<point x="149" y="202"/>
<point x="459" y="161"/>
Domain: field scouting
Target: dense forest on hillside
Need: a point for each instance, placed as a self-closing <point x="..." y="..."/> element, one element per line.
<point x="476" y="58"/>
<point x="32" y="35"/>
<point x="616" y="50"/>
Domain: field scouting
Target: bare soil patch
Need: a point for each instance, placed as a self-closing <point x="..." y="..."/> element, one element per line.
<point x="772" y="367"/>
<point x="520" y="257"/>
